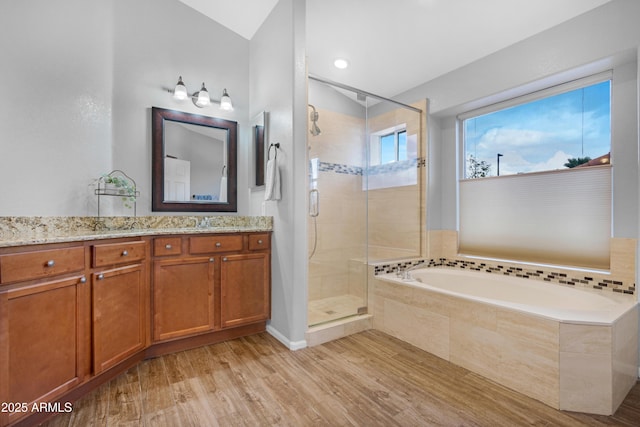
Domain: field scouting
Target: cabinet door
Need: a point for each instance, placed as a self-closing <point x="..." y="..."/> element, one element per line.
<point x="245" y="289"/>
<point x="42" y="342"/>
<point x="119" y="302"/>
<point x="183" y="297"/>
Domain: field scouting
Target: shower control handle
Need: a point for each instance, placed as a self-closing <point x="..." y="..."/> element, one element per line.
<point x="314" y="203"/>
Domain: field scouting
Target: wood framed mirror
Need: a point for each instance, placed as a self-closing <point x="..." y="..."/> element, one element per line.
<point x="194" y="162"/>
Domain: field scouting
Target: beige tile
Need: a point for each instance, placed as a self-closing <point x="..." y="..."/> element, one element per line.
<point x="449" y="243"/>
<point x="530" y="368"/>
<point x="534" y="330"/>
<point x="425" y="330"/>
<point x="592" y="339"/>
<point x="625" y="356"/>
<point x="475" y="348"/>
<point x="623" y="258"/>
<point x="474" y="313"/>
<point x="585" y="383"/>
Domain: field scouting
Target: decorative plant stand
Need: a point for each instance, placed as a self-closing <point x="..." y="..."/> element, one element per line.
<point x="119" y="184"/>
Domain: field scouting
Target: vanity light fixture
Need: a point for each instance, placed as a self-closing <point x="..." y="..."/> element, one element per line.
<point x="200" y="98"/>
<point x="180" y="92"/>
<point x="225" y="101"/>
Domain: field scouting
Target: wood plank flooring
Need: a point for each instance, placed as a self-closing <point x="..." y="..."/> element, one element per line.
<point x="367" y="379"/>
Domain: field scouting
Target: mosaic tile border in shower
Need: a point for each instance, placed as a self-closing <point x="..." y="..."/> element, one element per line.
<point x="340" y="168"/>
<point x="584" y="281"/>
<point x="373" y="170"/>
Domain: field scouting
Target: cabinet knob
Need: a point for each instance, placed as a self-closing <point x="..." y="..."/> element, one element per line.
<point x="168" y="246"/>
<point x="125" y="253"/>
<point x="83" y="279"/>
<point x="100" y="276"/>
<point x="260" y="241"/>
<point x="224" y="259"/>
<point x="51" y="263"/>
<point x="211" y="259"/>
<point x="218" y="244"/>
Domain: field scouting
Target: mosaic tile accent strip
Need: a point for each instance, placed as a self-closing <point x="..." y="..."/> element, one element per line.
<point x="579" y="280"/>
<point x="339" y="168"/>
<point x="393" y="167"/>
<point x="372" y="170"/>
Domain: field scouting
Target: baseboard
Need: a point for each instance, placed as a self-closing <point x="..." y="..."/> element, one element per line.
<point x="291" y="345"/>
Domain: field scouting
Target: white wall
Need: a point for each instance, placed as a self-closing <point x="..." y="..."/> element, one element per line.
<point x="278" y="86"/>
<point x="80" y="80"/>
<point x="55" y="111"/>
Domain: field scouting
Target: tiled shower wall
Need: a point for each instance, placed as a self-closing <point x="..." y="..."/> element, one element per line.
<point x="395" y="214"/>
<point x="341" y="224"/>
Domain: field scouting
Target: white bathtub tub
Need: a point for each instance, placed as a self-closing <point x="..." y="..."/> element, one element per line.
<point x="571" y="348"/>
<point x="565" y="303"/>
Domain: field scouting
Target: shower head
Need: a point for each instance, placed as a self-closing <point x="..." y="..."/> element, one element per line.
<point x="313" y="116"/>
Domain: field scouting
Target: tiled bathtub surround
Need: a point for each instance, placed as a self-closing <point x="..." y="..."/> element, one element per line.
<point x="578" y="367"/>
<point x="584" y="280"/>
<point x="37" y="229"/>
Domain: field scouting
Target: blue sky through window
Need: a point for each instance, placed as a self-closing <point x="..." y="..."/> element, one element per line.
<point x="541" y="135"/>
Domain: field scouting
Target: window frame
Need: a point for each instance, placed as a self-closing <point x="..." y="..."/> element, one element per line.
<point x="376" y="142"/>
<point x="524" y="99"/>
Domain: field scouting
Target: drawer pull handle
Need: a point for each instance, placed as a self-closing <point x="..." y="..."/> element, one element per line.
<point x="210" y="259"/>
<point x="260" y="241"/>
<point x="218" y="244"/>
<point x="100" y="276"/>
<point x="168" y="246"/>
<point x="125" y="253"/>
<point x="51" y="263"/>
<point x="83" y="279"/>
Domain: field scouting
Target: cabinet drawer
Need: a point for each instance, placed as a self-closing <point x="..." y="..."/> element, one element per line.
<point x="208" y="244"/>
<point x="37" y="264"/>
<point x="259" y="241"/>
<point x="118" y="253"/>
<point x="163" y="246"/>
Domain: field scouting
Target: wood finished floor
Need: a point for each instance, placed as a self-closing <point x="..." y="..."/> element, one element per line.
<point x="368" y="379"/>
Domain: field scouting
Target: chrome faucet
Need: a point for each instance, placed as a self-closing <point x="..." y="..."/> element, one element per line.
<point x="405" y="273"/>
<point x="204" y="222"/>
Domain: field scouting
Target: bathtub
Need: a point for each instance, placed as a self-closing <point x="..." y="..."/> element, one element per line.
<point x="559" y="302"/>
<point x="571" y="348"/>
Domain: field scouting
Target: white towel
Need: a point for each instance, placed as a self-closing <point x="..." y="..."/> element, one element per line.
<point x="223" y="189"/>
<point x="272" y="180"/>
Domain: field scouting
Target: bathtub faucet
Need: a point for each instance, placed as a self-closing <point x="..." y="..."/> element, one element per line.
<point x="405" y="273"/>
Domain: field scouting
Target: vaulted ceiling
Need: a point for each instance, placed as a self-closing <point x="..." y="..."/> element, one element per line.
<point x="393" y="46"/>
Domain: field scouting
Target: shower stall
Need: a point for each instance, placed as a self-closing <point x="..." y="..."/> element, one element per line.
<point x="365" y="193"/>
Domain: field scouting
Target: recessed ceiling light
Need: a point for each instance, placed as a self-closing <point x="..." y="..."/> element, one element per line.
<point x="341" y="63"/>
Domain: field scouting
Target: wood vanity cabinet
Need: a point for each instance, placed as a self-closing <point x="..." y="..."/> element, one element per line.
<point x="183" y="297"/>
<point x="73" y="315"/>
<point x="119" y="300"/>
<point x="214" y="282"/>
<point x="244" y="289"/>
<point x="43" y="327"/>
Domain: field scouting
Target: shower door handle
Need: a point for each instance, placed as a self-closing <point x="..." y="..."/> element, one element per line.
<point x="314" y="203"/>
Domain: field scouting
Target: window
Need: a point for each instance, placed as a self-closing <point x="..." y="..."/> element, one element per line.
<point x="393" y="147"/>
<point x="536" y="181"/>
<point x="393" y="156"/>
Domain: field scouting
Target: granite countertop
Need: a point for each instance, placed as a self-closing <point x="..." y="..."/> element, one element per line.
<point x="19" y="231"/>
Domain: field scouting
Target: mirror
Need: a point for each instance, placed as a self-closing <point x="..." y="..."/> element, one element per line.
<point x="194" y="162"/>
<point x="259" y="134"/>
